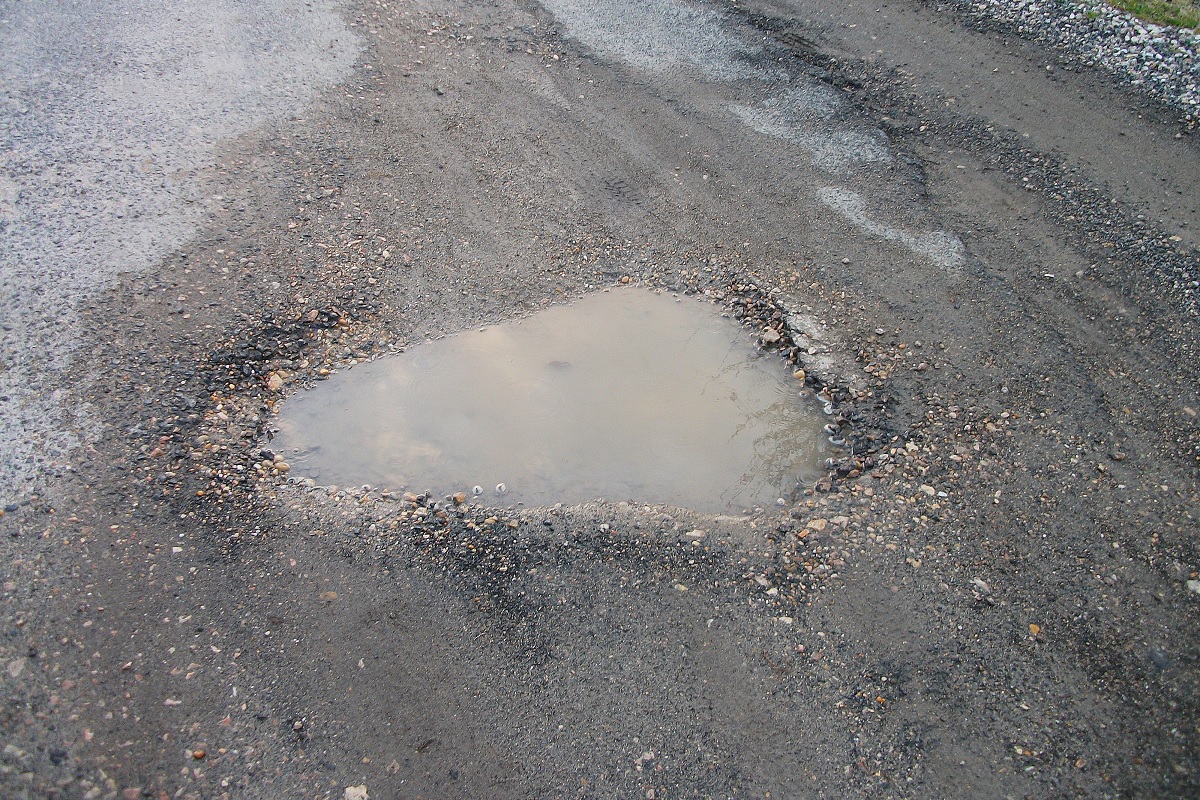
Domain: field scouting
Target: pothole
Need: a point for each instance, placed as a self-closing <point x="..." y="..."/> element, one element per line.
<point x="625" y="394"/>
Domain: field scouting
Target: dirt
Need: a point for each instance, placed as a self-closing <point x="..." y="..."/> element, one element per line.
<point x="988" y="599"/>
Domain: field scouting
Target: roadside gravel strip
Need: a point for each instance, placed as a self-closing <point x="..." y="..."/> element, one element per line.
<point x="1163" y="61"/>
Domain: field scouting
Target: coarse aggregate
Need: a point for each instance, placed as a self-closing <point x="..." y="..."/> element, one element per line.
<point x="1161" y="60"/>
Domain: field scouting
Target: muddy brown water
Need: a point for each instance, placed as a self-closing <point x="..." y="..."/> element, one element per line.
<point x="625" y="394"/>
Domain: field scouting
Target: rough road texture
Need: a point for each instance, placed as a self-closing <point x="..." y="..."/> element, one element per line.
<point x="982" y="255"/>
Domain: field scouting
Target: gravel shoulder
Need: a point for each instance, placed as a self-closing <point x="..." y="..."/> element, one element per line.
<point x="992" y="282"/>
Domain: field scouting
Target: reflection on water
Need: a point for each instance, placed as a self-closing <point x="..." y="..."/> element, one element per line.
<point x="625" y="394"/>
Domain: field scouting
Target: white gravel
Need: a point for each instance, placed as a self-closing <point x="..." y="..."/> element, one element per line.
<point x="108" y="114"/>
<point x="1162" y="61"/>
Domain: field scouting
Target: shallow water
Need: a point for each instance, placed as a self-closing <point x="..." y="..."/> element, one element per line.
<point x="625" y="394"/>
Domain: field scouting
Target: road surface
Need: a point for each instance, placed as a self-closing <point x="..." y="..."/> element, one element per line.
<point x="980" y="251"/>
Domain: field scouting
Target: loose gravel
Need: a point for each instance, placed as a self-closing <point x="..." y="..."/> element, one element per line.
<point x="1162" y="61"/>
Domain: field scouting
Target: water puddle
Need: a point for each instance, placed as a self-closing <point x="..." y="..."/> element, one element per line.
<point x="626" y="394"/>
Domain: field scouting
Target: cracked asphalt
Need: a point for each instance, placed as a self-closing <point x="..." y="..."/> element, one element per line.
<point x="979" y="251"/>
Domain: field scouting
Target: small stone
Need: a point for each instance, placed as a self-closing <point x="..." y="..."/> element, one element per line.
<point x="16" y="667"/>
<point x="274" y="382"/>
<point x="800" y="375"/>
<point x="1034" y="629"/>
<point x="817" y="524"/>
<point x="501" y="488"/>
<point x="459" y="498"/>
<point x="477" y="490"/>
<point x="771" y="336"/>
<point x="355" y="793"/>
<point x="1194" y="586"/>
<point x="199" y="753"/>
